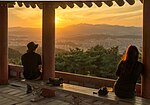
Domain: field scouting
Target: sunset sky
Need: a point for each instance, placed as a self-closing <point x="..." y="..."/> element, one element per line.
<point x="128" y="15"/>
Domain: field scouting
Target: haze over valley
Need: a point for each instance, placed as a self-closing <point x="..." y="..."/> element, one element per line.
<point x="81" y="35"/>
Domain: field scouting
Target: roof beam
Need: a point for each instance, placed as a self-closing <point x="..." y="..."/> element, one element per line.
<point x="40" y="5"/>
<point x="99" y="4"/>
<point x="70" y="4"/>
<point x="19" y="3"/>
<point x="131" y="2"/>
<point x="11" y="4"/>
<point x="120" y="2"/>
<point x="62" y="5"/>
<point x="108" y="3"/>
<point x="33" y="4"/>
<point x="27" y="4"/>
<point x="142" y="1"/>
<point x="89" y="4"/>
<point x="55" y="5"/>
<point x="79" y="4"/>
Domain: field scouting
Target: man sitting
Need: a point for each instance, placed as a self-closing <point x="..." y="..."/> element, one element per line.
<point x="31" y="62"/>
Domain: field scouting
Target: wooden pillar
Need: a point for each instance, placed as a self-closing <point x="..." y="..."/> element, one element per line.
<point x="3" y="43"/>
<point x="48" y="41"/>
<point x="146" y="49"/>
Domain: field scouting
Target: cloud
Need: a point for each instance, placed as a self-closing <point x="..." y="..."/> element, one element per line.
<point x="115" y="14"/>
<point x="26" y="13"/>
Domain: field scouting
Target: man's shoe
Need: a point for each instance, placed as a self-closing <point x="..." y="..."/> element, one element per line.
<point x="29" y="91"/>
<point x="36" y="98"/>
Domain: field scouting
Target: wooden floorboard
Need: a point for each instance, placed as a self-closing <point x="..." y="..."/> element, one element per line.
<point x="19" y="94"/>
<point x="15" y="94"/>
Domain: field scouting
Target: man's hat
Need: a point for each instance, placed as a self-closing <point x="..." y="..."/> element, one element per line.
<point x="32" y="46"/>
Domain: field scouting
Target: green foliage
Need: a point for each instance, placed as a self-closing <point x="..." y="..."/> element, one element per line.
<point x="74" y="61"/>
<point x="96" y="61"/>
<point x="15" y="53"/>
<point x="14" y="56"/>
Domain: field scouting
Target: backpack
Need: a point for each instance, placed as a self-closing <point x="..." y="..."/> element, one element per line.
<point x="103" y="91"/>
<point x="55" y="81"/>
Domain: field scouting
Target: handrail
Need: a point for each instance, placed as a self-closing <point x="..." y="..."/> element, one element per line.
<point x="77" y="79"/>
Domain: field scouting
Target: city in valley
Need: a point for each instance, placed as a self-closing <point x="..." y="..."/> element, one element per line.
<point x="82" y="36"/>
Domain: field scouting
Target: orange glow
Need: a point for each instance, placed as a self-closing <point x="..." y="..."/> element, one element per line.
<point x="59" y="22"/>
<point x="56" y="20"/>
<point x="127" y="16"/>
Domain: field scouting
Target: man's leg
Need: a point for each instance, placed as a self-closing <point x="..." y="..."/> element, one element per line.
<point x="29" y="89"/>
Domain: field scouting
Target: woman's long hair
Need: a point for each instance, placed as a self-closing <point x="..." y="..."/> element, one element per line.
<point x="130" y="58"/>
<point x="131" y="54"/>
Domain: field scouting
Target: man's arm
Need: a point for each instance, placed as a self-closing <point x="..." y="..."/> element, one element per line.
<point x="40" y="63"/>
<point x="22" y="60"/>
<point x="40" y="68"/>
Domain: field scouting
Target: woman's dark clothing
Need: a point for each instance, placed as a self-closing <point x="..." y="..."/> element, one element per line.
<point x="128" y="73"/>
<point x="31" y="62"/>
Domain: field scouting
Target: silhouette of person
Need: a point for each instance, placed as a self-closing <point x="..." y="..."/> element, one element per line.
<point x="31" y="62"/>
<point x="129" y="70"/>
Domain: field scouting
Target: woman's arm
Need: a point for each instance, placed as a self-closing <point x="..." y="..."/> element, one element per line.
<point x="118" y="72"/>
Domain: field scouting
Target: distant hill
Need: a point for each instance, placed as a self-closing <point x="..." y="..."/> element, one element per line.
<point x="19" y="50"/>
<point x="81" y="35"/>
<point x="81" y="30"/>
<point x="77" y="30"/>
<point x="25" y="32"/>
<point x="101" y="37"/>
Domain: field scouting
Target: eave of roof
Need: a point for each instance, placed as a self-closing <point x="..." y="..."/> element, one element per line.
<point x="71" y="4"/>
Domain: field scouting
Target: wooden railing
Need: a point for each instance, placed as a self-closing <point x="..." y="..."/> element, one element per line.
<point x="77" y="79"/>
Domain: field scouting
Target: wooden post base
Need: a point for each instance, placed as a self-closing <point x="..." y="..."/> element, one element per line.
<point x="4" y="82"/>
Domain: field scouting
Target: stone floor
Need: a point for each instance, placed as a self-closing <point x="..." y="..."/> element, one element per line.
<point x="15" y="94"/>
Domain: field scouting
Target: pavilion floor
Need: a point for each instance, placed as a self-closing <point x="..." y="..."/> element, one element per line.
<point x="15" y="94"/>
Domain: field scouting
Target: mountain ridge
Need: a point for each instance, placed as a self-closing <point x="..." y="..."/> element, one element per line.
<point x="78" y="30"/>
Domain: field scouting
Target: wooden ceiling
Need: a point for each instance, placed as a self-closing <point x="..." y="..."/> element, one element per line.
<point x="71" y="4"/>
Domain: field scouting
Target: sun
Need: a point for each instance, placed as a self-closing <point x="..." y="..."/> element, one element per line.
<point x="58" y="22"/>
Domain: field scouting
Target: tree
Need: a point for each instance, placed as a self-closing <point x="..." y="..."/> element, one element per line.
<point x="14" y="56"/>
<point x="96" y="61"/>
